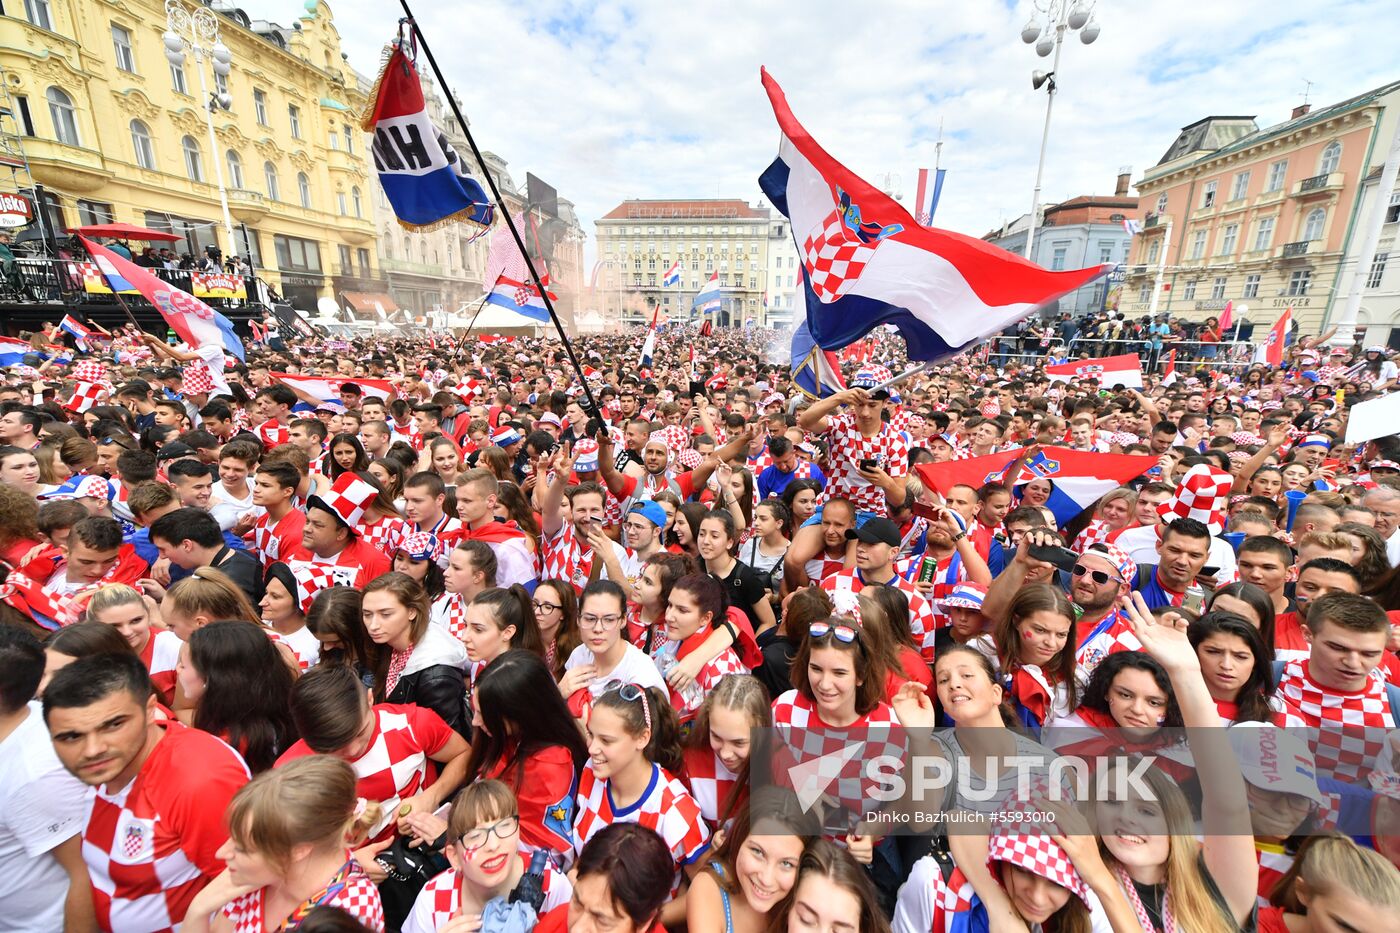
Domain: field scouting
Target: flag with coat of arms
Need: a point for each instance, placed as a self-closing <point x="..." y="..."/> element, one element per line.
<point x="673" y="275"/>
<point x="1124" y="370"/>
<point x="866" y="261"/>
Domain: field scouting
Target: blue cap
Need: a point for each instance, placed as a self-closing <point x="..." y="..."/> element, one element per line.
<point x="651" y="511"/>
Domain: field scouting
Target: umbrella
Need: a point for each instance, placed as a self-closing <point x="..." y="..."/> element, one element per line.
<point x="126" y="232"/>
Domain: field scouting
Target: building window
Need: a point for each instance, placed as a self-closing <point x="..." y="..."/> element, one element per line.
<point x="1312" y="227"/>
<point x="1263" y="234"/>
<point x="177" y="79"/>
<point x="335" y="140"/>
<point x="637" y="265"/>
<point x="304" y="189"/>
<point x="1105" y="251"/>
<point x="1057" y="257"/>
<point x="94" y="212"/>
<point x="121" y="49"/>
<point x="270" y="179"/>
<point x="194" y="165"/>
<point x="248" y="240"/>
<point x="1162" y="203"/>
<point x="1298" y="282"/>
<point x="1190" y="292"/>
<point x="220" y="83"/>
<point x="1392" y="211"/>
<point x="26" y="121"/>
<point x="651" y="279"/>
<point x="1144" y="293"/>
<point x="651" y="263"/>
<point x="65" y="123"/>
<point x="141" y="144"/>
<point x="345" y="267"/>
<point x="1198" y="244"/>
<point x="363" y="256"/>
<point x="1251" y="285"/>
<point x="1331" y="158"/>
<point x="1208" y="195"/>
<point x="37" y="11"/>
<point x="1239" y="186"/>
<point x="349" y="139"/>
<point x="1217" y="288"/>
<point x="235" y="170"/>
<point x="260" y="106"/>
<point x="296" y="254"/>
<point x="1228" y="239"/>
<point x="1277" y="171"/>
<point x="1153" y="249"/>
<point x="355" y="202"/>
<point x="294" y="120"/>
<point x="1373" y="280"/>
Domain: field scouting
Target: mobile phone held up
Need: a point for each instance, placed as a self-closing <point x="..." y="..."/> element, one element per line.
<point x="1061" y="557"/>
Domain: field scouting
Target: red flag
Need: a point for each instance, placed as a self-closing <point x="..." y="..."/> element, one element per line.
<point x="1227" y="317"/>
<point x="1273" y="350"/>
<point x="975" y="471"/>
<point x="1169" y="376"/>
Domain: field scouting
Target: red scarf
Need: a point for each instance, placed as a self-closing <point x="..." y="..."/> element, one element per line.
<point x="493" y="533"/>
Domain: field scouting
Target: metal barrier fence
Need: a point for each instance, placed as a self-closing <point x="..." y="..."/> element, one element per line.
<point x="62" y="281"/>
<point x="1232" y="355"/>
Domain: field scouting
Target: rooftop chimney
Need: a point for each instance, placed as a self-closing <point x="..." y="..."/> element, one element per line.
<point x="1300" y="110"/>
<point x="1125" y="174"/>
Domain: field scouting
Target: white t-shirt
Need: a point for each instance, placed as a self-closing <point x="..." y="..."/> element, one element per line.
<point x="226" y="509"/>
<point x="636" y="667"/>
<point x="41" y="805"/>
<point x="213" y="358"/>
<point x="1141" y="545"/>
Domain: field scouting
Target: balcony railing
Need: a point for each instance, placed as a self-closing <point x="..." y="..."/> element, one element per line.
<point x="1318" y="184"/>
<point x="72" y="282"/>
<point x="1311" y="184"/>
<point x="1294" y="250"/>
<point x="1153" y="220"/>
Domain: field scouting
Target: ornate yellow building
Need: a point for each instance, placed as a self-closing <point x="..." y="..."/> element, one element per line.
<point x="114" y="131"/>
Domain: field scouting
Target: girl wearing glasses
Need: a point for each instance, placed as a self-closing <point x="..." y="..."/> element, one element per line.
<point x="484" y="850"/>
<point x="634" y="754"/>
<point x="746" y="879"/>
<point x="556" y="613"/>
<point x="720" y="745"/>
<point x="605" y="656"/>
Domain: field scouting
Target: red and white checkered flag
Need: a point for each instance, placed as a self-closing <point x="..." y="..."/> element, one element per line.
<point x="1203" y="494"/>
<point x="85" y="396"/>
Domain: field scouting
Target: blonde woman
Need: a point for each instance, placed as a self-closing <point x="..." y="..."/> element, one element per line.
<point x="1334" y="884"/>
<point x="288" y="851"/>
<point x="137" y="619"/>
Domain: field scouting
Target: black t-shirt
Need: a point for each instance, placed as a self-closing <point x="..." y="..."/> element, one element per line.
<point x="742" y="588"/>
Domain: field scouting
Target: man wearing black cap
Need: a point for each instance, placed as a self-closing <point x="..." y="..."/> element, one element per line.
<point x="877" y="546"/>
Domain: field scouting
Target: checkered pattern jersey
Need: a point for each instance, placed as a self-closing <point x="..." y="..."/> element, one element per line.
<point x="151" y="847"/>
<point x="1350" y="728"/>
<point x="665" y="808"/>
<point x="450" y="612"/>
<point x="727" y="662"/>
<point x="922" y="620"/>
<point x="441" y="898"/>
<point x="847" y="447"/>
<point x="1117" y="636"/>
<point x="710" y="782"/>
<point x="565" y="557"/>
<point x="806" y="736"/>
<point x="359" y="898"/>
<point x="278" y="541"/>
<point x="821" y="567"/>
<point x="386" y="534"/>
<point x="396" y="765"/>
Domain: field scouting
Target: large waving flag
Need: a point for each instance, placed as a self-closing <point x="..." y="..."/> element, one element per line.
<point x="815" y="371"/>
<point x="867" y="262"/>
<point x="327" y="389"/>
<point x="1125" y="370"/>
<point x="423" y="177"/>
<point x="520" y="297"/>
<point x="80" y="333"/>
<point x="709" y="297"/>
<point x="649" y="345"/>
<point x="672" y="276"/>
<point x="195" y="322"/>
<point x="974" y="471"/>
<point x="12" y="351"/>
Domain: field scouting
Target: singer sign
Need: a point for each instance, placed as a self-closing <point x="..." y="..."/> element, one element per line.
<point x="15" y="211"/>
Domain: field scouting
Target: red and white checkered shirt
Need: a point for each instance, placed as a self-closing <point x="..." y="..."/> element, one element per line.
<point x="396" y="764"/>
<point x="710" y="782"/>
<point x="566" y="557"/>
<point x="280" y="540"/>
<point x="1350" y="728"/>
<point x="441" y="898"/>
<point x="665" y="807"/>
<point x="151" y="847"/>
<point x="356" y="895"/>
<point x="386" y="534"/>
<point x="450" y="612"/>
<point x="1114" y="633"/>
<point x="806" y="737"/>
<point x="726" y="662"/>
<point x="821" y="567"/>
<point x="847" y="447"/>
<point x="161" y="654"/>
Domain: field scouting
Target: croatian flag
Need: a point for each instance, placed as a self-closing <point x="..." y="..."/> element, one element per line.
<point x="12" y="351"/>
<point x="708" y="298"/>
<point x="673" y="275"/>
<point x="866" y="261"/>
<point x="649" y="345"/>
<point x="1132" y="226"/>
<point x="423" y="177"/>
<point x="1227" y="317"/>
<point x="926" y="196"/>
<point x="70" y="325"/>
<point x="326" y="389"/>
<point x="1125" y="370"/>
<point x="1272" y="350"/>
<point x="1169" y="375"/>
<point x="520" y="297"/>
<point x="815" y="371"/>
<point x="195" y="322"/>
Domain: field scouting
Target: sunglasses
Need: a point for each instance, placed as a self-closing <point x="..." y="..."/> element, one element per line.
<point x="842" y="633"/>
<point x="631" y="693"/>
<point x="1098" y="576"/>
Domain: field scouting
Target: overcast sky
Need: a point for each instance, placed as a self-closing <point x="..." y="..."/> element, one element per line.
<point x="618" y="99"/>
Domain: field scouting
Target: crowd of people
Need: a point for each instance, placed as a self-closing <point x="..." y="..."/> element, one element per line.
<point x="444" y="637"/>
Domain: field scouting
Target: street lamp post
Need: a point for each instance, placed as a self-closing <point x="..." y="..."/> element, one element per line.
<point x="1061" y="16"/>
<point x="198" y="31"/>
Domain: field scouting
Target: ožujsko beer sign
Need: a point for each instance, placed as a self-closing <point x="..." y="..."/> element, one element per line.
<point x="15" y="211"/>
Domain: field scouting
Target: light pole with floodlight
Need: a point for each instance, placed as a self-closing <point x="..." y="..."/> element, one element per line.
<point x="198" y="32"/>
<point x="1061" y="16"/>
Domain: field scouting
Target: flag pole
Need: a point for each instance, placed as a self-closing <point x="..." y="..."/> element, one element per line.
<point x="496" y="196"/>
<point x="907" y="374"/>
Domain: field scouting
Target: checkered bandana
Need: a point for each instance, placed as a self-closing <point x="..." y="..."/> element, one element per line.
<point x="672" y="436"/>
<point x="689" y="458"/>
<point x="419" y="545"/>
<point x="1348" y="730"/>
<point x="1125" y="565"/>
<point x="1246" y="439"/>
<point x="1204" y="494"/>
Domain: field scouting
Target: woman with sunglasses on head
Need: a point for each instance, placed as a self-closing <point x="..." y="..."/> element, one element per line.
<point x="488" y="855"/>
<point x="556" y="613"/>
<point x="746" y="879"/>
<point x="634" y="754"/>
<point x="605" y="655"/>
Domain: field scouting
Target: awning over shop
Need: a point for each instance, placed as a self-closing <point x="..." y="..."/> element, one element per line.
<point x="370" y="304"/>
